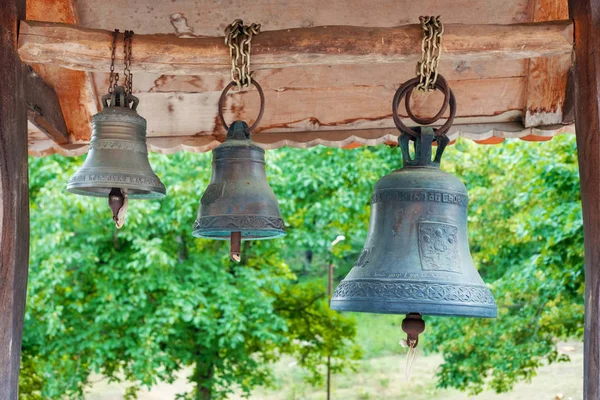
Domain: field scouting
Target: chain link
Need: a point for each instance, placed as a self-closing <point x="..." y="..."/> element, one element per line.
<point x="239" y="39"/>
<point x="431" y="50"/>
<point x="127" y="39"/>
<point x="113" y="78"/>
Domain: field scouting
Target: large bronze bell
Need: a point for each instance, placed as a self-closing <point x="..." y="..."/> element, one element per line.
<point x="117" y="160"/>
<point x="416" y="258"/>
<point x="238" y="204"/>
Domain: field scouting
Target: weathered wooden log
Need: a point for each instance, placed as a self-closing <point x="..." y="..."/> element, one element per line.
<point x="43" y="106"/>
<point x="85" y="49"/>
<point x="14" y="201"/>
<point x="586" y="14"/>
<point x="74" y="89"/>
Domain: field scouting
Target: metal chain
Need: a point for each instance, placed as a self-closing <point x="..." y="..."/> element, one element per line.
<point x="127" y="39"/>
<point x="239" y="39"/>
<point x="113" y="78"/>
<point x="431" y="50"/>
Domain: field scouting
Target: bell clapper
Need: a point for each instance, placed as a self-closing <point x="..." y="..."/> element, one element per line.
<point x="413" y="325"/>
<point x="235" y="244"/>
<point x="118" y="200"/>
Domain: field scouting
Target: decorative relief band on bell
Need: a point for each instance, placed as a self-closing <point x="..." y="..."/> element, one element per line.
<point x="121" y="115"/>
<point x="239" y="222"/>
<point x="435" y="292"/>
<point x="419" y="195"/>
<point x="111" y="144"/>
<point x="115" y="178"/>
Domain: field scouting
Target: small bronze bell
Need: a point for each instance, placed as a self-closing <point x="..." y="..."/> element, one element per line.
<point x="416" y="258"/>
<point x="118" y="155"/>
<point x="238" y="204"/>
<point x="117" y="165"/>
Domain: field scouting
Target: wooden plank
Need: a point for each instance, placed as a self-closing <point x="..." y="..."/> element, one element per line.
<point x="353" y="138"/>
<point x="14" y="201"/>
<point x="208" y="17"/>
<point x="586" y="16"/>
<point x="547" y="77"/>
<point x="43" y="107"/>
<point x="481" y="133"/>
<point x="74" y="89"/>
<point x="303" y="108"/>
<point x="89" y="49"/>
<point x="323" y="77"/>
<point x="307" y="110"/>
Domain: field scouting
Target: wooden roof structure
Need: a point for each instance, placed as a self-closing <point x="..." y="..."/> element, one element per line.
<point x="329" y="69"/>
<point x="519" y="68"/>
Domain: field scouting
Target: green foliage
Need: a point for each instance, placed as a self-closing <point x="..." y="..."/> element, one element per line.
<point x="324" y="193"/>
<point x="141" y="303"/>
<point x="311" y="333"/>
<point x="526" y="236"/>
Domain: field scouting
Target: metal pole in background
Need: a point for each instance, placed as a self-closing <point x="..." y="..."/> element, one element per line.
<point x="329" y="293"/>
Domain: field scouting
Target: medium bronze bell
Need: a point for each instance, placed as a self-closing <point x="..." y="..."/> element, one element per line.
<point x="118" y="155"/>
<point x="416" y="258"/>
<point x="238" y="204"/>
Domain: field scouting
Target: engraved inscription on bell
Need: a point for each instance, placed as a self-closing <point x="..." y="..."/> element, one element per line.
<point x="438" y="247"/>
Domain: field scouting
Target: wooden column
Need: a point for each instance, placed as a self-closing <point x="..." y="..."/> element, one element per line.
<point x="14" y="207"/>
<point x="586" y="15"/>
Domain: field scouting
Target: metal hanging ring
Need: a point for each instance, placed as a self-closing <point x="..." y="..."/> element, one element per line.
<point x="403" y="90"/>
<point x="443" y="86"/>
<point x="222" y="100"/>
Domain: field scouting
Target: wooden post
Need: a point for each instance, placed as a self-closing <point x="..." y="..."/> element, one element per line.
<point x="43" y="106"/>
<point x="586" y="16"/>
<point x="14" y="200"/>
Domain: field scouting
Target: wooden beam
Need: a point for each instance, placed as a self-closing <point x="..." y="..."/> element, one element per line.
<point x="315" y="109"/>
<point x="14" y="201"/>
<point x="547" y="77"/>
<point x="586" y="16"/>
<point x="43" y="107"/>
<point x="74" y="89"/>
<point x="209" y="17"/>
<point x="569" y="106"/>
<point x="480" y="133"/>
<point x="89" y="49"/>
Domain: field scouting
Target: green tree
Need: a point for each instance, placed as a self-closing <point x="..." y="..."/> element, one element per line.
<point x="526" y="236"/>
<point x="142" y="303"/>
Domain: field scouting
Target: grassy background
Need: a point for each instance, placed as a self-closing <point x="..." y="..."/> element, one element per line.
<point x="380" y="375"/>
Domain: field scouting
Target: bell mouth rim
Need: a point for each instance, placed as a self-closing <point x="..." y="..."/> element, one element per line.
<point x="206" y="234"/>
<point x="102" y="191"/>
<point x="393" y="296"/>
<point x="252" y="227"/>
<point x="406" y="307"/>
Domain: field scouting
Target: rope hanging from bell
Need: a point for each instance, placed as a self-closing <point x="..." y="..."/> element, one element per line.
<point x="413" y="325"/>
